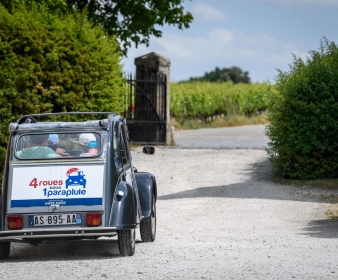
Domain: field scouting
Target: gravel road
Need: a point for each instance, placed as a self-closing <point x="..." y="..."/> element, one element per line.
<point x="238" y="137"/>
<point x="219" y="217"/>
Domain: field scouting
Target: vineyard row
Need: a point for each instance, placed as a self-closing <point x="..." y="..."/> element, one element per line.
<point x="204" y="99"/>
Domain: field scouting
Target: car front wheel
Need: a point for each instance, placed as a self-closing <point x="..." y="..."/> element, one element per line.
<point x="148" y="226"/>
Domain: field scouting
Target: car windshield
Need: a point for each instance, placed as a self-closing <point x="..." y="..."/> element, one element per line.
<point x="57" y="145"/>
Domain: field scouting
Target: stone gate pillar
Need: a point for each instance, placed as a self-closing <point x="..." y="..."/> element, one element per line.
<point x="149" y="67"/>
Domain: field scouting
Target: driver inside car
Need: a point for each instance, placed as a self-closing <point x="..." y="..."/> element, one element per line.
<point x="38" y="148"/>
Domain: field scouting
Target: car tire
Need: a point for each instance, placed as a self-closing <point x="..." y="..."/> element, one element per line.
<point x="5" y="248"/>
<point x="127" y="240"/>
<point x="148" y="226"/>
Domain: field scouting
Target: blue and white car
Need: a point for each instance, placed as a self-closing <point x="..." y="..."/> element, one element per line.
<point x="77" y="190"/>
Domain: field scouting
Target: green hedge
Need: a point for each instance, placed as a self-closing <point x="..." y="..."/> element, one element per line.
<point x="54" y="63"/>
<point x="303" y="116"/>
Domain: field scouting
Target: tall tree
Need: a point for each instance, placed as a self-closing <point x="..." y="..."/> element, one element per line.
<point x="234" y="74"/>
<point x="134" y="21"/>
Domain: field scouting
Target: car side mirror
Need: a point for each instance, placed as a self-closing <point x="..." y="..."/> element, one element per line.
<point x="149" y="150"/>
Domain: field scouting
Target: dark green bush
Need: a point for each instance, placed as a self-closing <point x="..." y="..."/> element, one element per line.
<point x="303" y="116"/>
<point x="54" y="63"/>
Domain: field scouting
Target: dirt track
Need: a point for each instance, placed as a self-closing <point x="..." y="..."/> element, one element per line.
<point x="219" y="217"/>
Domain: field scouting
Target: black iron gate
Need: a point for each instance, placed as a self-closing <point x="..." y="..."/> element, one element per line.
<point x="146" y="109"/>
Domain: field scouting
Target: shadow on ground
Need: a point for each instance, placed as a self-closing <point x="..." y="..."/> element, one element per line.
<point x="258" y="186"/>
<point x="327" y="228"/>
<point x="66" y="251"/>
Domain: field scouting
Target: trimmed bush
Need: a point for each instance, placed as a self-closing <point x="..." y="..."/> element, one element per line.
<point x="303" y="116"/>
<point x="55" y="63"/>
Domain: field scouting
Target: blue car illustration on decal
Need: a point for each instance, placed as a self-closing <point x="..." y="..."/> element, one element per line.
<point x="76" y="178"/>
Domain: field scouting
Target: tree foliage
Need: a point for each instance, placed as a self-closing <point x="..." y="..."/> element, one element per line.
<point x="303" y="116"/>
<point x="132" y="21"/>
<point x="50" y="63"/>
<point x="53" y="5"/>
<point x="234" y="74"/>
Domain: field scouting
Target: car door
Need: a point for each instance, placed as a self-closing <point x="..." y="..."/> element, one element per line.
<point x="127" y="165"/>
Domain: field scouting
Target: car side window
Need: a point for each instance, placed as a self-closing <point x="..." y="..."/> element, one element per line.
<point x="124" y="151"/>
<point x="115" y="147"/>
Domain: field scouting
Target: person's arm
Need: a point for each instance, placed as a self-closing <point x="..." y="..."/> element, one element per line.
<point x="61" y="152"/>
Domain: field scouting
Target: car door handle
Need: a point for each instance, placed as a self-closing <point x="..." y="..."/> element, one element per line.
<point x="123" y="174"/>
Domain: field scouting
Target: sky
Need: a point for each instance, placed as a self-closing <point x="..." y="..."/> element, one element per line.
<point x="259" y="36"/>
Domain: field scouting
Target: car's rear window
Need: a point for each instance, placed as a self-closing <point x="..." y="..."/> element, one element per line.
<point x="56" y="145"/>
